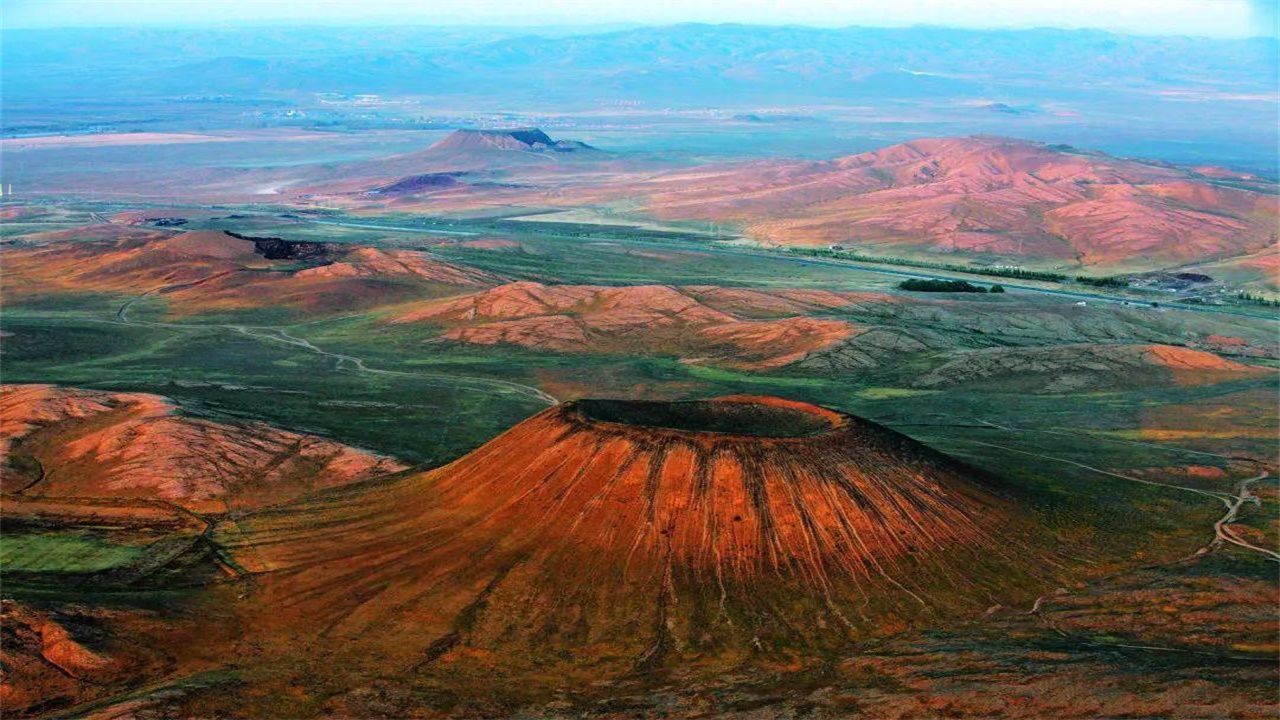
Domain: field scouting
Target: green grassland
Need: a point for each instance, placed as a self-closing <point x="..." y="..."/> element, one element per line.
<point x="218" y="373"/>
<point x="438" y="406"/>
<point x="51" y="557"/>
<point x="586" y="252"/>
<point x="74" y="551"/>
<point x="1075" y="462"/>
<point x="428" y="402"/>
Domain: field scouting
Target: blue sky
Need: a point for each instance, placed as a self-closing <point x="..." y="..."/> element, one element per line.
<point x="1218" y="18"/>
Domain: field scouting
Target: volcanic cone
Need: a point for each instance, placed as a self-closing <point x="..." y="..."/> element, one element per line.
<point x="639" y="533"/>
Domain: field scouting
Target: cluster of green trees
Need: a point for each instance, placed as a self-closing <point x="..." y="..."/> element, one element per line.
<point x="919" y="285"/>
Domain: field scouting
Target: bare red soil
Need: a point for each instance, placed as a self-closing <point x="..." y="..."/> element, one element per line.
<point x="121" y="446"/>
<point x="124" y="469"/>
<point x="47" y="666"/>
<point x="1195" y="367"/>
<point x="61" y="656"/>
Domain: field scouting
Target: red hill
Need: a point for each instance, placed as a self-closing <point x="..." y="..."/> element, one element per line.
<point x="66" y="442"/>
<point x="981" y="196"/>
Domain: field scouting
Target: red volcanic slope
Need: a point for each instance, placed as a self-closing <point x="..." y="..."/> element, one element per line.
<point x="980" y="195"/>
<point x="691" y="322"/>
<point x="207" y="270"/>
<point x="1258" y="273"/>
<point x="93" y="444"/>
<point x="49" y="663"/>
<point x="630" y="533"/>
<point x="126" y="470"/>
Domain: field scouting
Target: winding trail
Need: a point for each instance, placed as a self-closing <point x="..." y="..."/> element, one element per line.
<point x="1232" y="501"/>
<point x="1222" y="534"/>
<point x="280" y="334"/>
<point x="1221" y="528"/>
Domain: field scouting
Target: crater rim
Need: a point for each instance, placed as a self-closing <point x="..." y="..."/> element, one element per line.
<point x="751" y="417"/>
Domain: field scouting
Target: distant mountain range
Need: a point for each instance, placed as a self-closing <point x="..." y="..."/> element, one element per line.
<point x="979" y="197"/>
<point x="670" y="65"/>
<point x="1178" y="98"/>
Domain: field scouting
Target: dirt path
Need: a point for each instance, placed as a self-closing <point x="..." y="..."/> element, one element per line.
<point x="1221" y="528"/>
<point x="280" y="334"/>
<point x="1222" y="534"/>
<point x="1232" y="501"/>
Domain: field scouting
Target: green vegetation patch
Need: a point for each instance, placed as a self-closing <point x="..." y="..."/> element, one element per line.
<point x="891" y="393"/>
<point x="71" y="551"/>
<point x="49" y="341"/>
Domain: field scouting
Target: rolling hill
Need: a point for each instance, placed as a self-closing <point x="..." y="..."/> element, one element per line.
<point x="745" y="328"/>
<point x="203" y="271"/>
<point x="1075" y="368"/>
<point x="116" y="492"/>
<point x="65" y="442"/>
<point x="516" y="139"/>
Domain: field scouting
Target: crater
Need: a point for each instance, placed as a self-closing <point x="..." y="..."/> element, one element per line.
<point x="729" y="417"/>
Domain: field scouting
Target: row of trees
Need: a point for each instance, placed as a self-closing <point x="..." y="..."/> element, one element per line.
<point x="1014" y="273"/>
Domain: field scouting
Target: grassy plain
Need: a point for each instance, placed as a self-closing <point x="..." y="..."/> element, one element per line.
<point x="1104" y="469"/>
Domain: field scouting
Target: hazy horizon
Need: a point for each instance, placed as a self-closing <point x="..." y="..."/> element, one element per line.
<point x="1192" y="18"/>
<point x="662" y="360"/>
